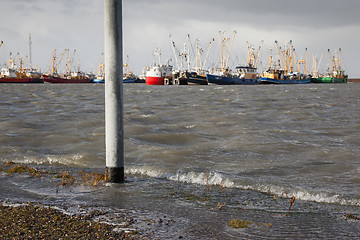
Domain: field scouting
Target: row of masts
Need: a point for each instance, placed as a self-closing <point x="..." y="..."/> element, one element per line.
<point x="289" y="62"/>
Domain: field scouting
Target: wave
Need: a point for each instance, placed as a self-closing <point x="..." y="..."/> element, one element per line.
<point x="219" y="179"/>
<point x="70" y="160"/>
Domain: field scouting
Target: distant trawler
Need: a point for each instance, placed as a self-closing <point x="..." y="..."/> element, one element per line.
<point x="158" y="73"/>
<point x="288" y="72"/>
<point x="335" y="73"/>
<point x="68" y="76"/>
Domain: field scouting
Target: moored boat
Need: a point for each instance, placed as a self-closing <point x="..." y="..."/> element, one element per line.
<point x="335" y="73"/>
<point x="288" y="72"/>
<point x="11" y="75"/>
<point x="101" y="72"/>
<point x="338" y="78"/>
<point x="66" y="79"/>
<point x="243" y="75"/>
<point x="278" y="77"/>
<point x="157" y="74"/>
<point x="230" y="79"/>
<point x="194" y="78"/>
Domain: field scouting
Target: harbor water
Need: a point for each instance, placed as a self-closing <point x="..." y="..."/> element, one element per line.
<point x="198" y="155"/>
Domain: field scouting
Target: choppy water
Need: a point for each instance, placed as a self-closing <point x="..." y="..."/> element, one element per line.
<point x="248" y="143"/>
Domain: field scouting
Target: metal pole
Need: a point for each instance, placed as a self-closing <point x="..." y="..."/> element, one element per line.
<point x="114" y="126"/>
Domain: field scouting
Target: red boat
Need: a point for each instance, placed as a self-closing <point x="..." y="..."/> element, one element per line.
<point x="157" y="75"/>
<point x="159" y="72"/>
<point x="53" y="79"/>
<point x="21" y="80"/>
<point x="11" y="75"/>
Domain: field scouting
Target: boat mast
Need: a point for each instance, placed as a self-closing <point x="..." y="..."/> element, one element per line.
<point x="258" y="54"/>
<point x="67" y="67"/>
<point x="339" y="60"/>
<point x="317" y="69"/>
<point x="270" y="60"/>
<point x="30" y="42"/>
<point x="221" y="50"/>
<point x="329" y="64"/>
<point x="62" y="55"/>
<point x="101" y="68"/>
<point x="207" y="54"/>
<point x="232" y="43"/>
<point x="198" y="56"/>
<point x="306" y="57"/>
<point x="173" y="47"/>
<point x="188" y="51"/>
<point x="53" y="62"/>
<point x="291" y="56"/>
<point x="281" y="59"/>
<point x="72" y="60"/>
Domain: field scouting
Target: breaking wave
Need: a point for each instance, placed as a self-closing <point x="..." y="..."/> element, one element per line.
<point x="219" y="179"/>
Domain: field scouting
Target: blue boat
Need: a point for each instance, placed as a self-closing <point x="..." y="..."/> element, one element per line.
<point x="229" y="80"/>
<point x="284" y="81"/>
<point x="278" y="77"/>
<point x="244" y="75"/>
<point x="98" y="80"/>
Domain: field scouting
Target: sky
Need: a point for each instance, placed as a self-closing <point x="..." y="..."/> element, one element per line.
<point x="317" y="25"/>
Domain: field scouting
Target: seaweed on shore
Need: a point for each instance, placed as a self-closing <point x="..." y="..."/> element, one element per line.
<point x="67" y="179"/>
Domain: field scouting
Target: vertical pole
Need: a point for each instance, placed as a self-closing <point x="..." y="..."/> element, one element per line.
<point x="114" y="126"/>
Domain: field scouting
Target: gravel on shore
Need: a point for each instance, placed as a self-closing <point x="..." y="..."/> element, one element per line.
<point x="41" y="222"/>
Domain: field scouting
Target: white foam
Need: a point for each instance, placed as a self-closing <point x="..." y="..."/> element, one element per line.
<point x="68" y="160"/>
<point x="145" y="170"/>
<point x="218" y="179"/>
<point x="302" y="194"/>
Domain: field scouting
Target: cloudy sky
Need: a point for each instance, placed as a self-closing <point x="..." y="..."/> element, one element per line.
<point x="78" y="24"/>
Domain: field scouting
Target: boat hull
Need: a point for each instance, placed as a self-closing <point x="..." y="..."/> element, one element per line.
<point x="287" y="81"/>
<point x="52" y="79"/>
<point x="21" y="80"/>
<point x="330" y="80"/>
<point x="154" y="80"/>
<point x="196" y="79"/>
<point x="222" y="80"/>
<point x="98" y="80"/>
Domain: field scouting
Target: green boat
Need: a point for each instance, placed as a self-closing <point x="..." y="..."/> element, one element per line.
<point x="335" y="73"/>
<point x="335" y="78"/>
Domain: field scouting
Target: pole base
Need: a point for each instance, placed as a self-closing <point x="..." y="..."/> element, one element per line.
<point x="115" y="174"/>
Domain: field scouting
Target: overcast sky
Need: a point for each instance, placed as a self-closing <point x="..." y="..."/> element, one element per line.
<point x="78" y="24"/>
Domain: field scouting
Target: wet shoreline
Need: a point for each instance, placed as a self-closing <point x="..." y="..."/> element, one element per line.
<point x="159" y="209"/>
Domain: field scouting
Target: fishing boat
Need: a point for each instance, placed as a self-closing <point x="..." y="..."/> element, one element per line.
<point x="335" y="73"/>
<point x="243" y="75"/>
<point x="185" y="74"/>
<point x="158" y="73"/>
<point x="101" y="72"/>
<point x="194" y="78"/>
<point x="68" y="77"/>
<point x="128" y="76"/>
<point x="286" y="72"/>
<point x="73" y="78"/>
<point x="278" y="77"/>
<point x="232" y="79"/>
<point x="11" y="74"/>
